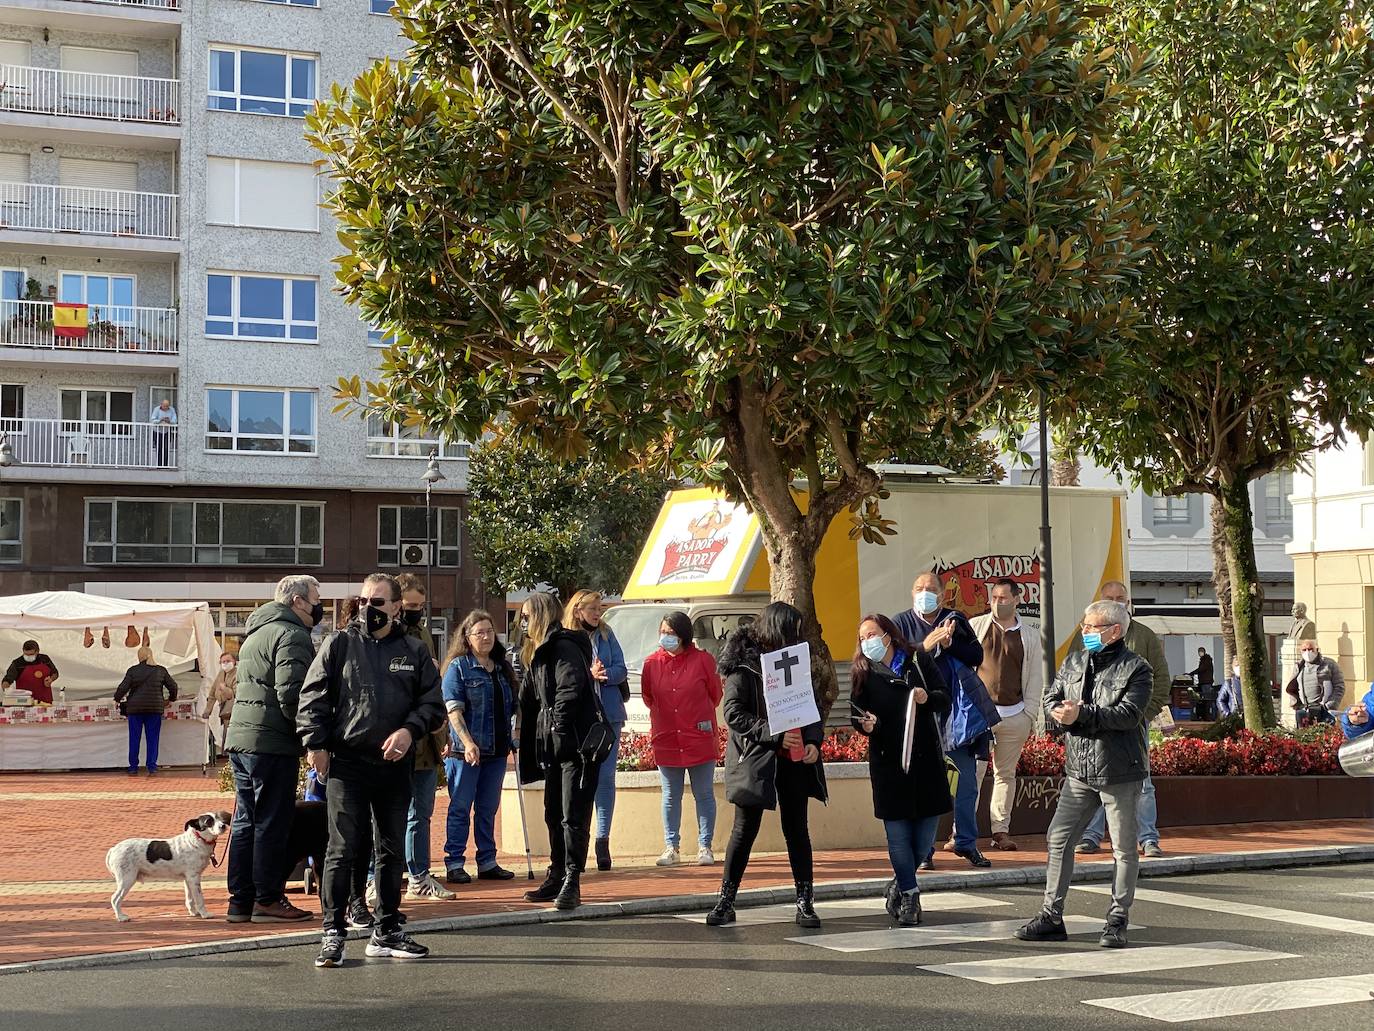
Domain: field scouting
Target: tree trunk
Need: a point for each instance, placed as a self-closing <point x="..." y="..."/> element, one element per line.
<point x="1221" y="583"/>
<point x="1247" y="603"/>
<point x="1065" y="468"/>
<point x="792" y="568"/>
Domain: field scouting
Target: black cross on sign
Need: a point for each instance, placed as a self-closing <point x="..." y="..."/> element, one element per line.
<point x="784" y="666"/>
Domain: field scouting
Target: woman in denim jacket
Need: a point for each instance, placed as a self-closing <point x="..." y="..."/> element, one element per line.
<point x="480" y="698"/>
<point x="583" y="613"/>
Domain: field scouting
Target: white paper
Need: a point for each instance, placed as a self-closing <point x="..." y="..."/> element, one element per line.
<point x="787" y="690"/>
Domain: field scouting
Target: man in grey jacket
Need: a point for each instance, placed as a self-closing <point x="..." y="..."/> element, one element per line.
<point x="1317" y="685"/>
<point x="1099" y="698"/>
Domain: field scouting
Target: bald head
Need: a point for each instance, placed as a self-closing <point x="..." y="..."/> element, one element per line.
<point x="1114" y="590"/>
<point x="926" y="581"/>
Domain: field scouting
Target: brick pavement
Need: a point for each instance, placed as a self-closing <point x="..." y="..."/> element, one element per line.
<point x="56" y="828"/>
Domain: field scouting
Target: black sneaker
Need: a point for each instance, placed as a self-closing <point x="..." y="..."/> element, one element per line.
<point x="496" y="873"/>
<point x="1114" y="934"/>
<point x="457" y="875"/>
<point x="358" y="916"/>
<point x="396" y="945"/>
<point x="331" y="950"/>
<point x="1044" y="928"/>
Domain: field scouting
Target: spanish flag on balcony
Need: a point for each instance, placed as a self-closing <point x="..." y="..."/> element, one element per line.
<point x="70" y="320"/>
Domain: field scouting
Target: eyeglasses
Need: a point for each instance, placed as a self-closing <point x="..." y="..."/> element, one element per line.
<point x="1096" y="627"/>
<point x="376" y="603"/>
<point x="488" y="632"/>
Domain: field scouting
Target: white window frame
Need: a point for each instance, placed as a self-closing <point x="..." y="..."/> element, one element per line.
<point x="108" y="426"/>
<point x="238" y="96"/>
<point x="372" y="8"/>
<point x="1170" y="509"/>
<point x="236" y="317"/>
<point x="312" y="4"/>
<point x="23" y="278"/>
<point x="111" y="308"/>
<point x="17" y="541"/>
<point x="385" y="440"/>
<point x="196" y="546"/>
<point x="286" y="436"/>
<point x="439" y="545"/>
<point x="23" y="403"/>
<point x="1274" y="489"/>
<point x="238" y="194"/>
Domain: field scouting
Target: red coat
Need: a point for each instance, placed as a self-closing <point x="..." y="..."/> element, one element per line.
<point x="682" y="692"/>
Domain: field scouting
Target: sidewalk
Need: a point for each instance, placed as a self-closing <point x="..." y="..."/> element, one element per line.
<point x="54" y="896"/>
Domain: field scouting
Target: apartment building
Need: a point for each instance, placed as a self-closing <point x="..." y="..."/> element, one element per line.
<point x="162" y="241"/>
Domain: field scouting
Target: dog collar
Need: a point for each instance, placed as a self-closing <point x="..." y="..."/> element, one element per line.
<point x="203" y="838"/>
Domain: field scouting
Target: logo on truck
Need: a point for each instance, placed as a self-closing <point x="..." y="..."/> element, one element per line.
<point x="692" y="557"/>
<point x="964" y="585"/>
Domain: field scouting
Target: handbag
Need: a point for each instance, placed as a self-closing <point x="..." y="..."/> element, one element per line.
<point x="600" y="738"/>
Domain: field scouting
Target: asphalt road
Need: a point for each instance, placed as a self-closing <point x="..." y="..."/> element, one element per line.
<point x="1205" y="952"/>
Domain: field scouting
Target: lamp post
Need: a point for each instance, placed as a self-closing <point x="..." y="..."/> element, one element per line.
<point x="431" y="477"/>
<point x="1047" y="637"/>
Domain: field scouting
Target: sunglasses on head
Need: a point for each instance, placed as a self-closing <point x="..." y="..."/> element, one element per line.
<point x="376" y="602"/>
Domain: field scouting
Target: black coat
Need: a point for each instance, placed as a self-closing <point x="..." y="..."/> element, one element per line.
<point x="922" y="790"/>
<point x="751" y="753"/>
<point x="558" y="703"/>
<point x="148" y="688"/>
<point x="1106" y="744"/>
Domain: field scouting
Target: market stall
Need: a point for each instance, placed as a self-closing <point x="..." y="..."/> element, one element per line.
<point x="92" y="640"/>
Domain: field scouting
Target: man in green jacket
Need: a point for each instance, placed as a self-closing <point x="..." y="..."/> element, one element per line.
<point x="1145" y="643"/>
<point x="264" y="749"/>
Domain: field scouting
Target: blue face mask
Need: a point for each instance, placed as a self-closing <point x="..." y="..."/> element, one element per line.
<point x="873" y="648"/>
<point x="1093" y="642"/>
<point x="925" y="602"/>
<point x="668" y="642"/>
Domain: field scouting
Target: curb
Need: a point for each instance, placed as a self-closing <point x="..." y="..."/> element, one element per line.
<point x="1171" y="866"/>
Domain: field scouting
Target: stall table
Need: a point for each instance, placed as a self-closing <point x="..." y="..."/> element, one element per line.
<point x="92" y="737"/>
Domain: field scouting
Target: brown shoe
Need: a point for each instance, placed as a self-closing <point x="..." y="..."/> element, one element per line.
<point x="948" y="846"/>
<point x="1002" y="840"/>
<point x="279" y="912"/>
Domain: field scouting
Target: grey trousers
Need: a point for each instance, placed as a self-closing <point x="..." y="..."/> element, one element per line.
<point x="1077" y="805"/>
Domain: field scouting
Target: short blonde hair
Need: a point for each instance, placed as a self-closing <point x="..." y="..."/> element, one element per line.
<point x="145" y="654"/>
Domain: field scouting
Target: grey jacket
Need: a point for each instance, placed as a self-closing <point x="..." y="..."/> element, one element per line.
<point x="1317" y="683"/>
<point x="1106" y="744"/>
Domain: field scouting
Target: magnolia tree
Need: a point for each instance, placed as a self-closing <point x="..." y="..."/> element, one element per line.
<point x="759" y="245"/>
<point x="1252" y="145"/>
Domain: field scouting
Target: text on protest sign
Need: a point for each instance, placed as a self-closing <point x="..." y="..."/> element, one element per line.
<point x="787" y="691"/>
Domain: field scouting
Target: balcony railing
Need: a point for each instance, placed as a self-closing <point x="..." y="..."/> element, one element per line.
<point x="96" y="445"/>
<point x="158" y="5"/>
<point x="108" y="327"/>
<point x="83" y="209"/>
<point x="118" y="98"/>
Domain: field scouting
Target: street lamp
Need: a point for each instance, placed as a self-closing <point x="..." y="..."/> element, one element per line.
<point x="431" y="477"/>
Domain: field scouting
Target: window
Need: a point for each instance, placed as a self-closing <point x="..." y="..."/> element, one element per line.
<point x="111" y="297"/>
<point x="11" y="530"/>
<point x="252" y="420"/>
<point x="265" y="194"/>
<point x="294" y="3"/>
<point x="382" y="6"/>
<point x="209" y="533"/>
<point x="90" y="174"/>
<point x="387" y="440"/>
<point x="11" y="405"/>
<point x="1171" y="511"/>
<point x="1278" y="511"/>
<point x="12" y="283"/>
<point x="97" y="411"/>
<point x="261" y="307"/>
<point x="401" y="535"/>
<point x="261" y="82"/>
<point x="379" y="337"/>
<point x="95" y="61"/>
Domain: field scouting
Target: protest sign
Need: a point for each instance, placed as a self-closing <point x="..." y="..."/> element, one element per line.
<point x="787" y="691"/>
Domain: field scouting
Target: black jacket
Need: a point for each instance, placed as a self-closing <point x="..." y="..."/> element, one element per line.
<point x="558" y="702"/>
<point x="360" y="690"/>
<point x="1106" y="744"/>
<point x="923" y="789"/>
<point x="751" y="753"/>
<point x="148" y="686"/>
<point x="273" y="657"/>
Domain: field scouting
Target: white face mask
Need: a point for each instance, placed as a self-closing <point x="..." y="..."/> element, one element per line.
<point x="30" y="658"/>
<point x="1309" y="656"/>
<point x="226" y="666"/>
<point x="1235" y="671"/>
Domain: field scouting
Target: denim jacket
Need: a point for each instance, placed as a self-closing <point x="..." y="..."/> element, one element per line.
<point x="469" y="689"/>
<point x="607" y="649"/>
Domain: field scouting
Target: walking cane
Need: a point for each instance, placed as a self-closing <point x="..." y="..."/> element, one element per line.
<point x="524" y="827"/>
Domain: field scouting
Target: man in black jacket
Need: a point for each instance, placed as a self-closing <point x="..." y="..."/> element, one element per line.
<point x="1099" y="699"/>
<point x="370" y="694"/>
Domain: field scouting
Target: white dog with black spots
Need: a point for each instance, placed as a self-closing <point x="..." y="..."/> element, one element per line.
<point x="185" y="856"/>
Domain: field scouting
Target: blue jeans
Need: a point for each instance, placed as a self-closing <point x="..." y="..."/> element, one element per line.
<point x="422" y="786"/>
<point x="906" y="840"/>
<point x="703" y="790"/>
<point x="147" y="726"/>
<point x="264" y="809"/>
<point x="1147" y="814"/>
<point x="472" y="788"/>
<point x="965" y="799"/>
<point x="605" y="787"/>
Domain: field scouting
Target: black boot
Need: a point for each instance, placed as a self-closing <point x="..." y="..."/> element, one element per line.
<point x="806" y="909"/>
<point x="570" y="896"/>
<point x="548" y="891"/>
<point x="603" y="854"/>
<point x="723" y="912"/>
<point x="892" y="898"/>
<point x="909" y="915"/>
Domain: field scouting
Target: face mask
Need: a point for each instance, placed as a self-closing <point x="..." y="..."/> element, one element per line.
<point x="873" y="648"/>
<point x="316" y="613"/>
<point x="30" y="658"/>
<point x="226" y="666"/>
<point x="1093" y="642"/>
<point x="925" y="602"/>
<point x="588" y="627"/>
<point x="669" y="642"/>
<point x="524" y="624"/>
<point x="1309" y="656"/>
<point x="1004" y="609"/>
<point x="375" y="618"/>
<point x="412" y="617"/>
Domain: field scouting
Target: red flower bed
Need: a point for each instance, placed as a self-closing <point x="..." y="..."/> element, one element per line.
<point x="1245" y="755"/>
<point x="839" y="746"/>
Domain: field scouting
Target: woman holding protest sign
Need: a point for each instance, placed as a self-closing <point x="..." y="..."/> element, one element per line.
<point x="897" y="690"/>
<point x="760" y="772"/>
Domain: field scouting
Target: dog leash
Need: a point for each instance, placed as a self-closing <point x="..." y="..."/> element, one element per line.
<point x="212" y="842"/>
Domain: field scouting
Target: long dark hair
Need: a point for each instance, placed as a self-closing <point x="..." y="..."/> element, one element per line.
<point x="859" y="665"/>
<point x="779" y="625"/>
<point x="458" y="645"/>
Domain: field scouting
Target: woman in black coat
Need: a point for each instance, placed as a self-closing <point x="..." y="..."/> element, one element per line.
<point x="896" y="687"/>
<point x="558" y="706"/>
<point x="759" y="774"/>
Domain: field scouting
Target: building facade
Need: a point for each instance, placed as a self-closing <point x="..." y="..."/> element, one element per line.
<point x="162" y="240"/>
<point x="1333" y="557"/>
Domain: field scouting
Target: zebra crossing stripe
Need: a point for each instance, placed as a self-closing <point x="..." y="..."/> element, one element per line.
<point x="1312" y="921"/>
<point x="925" y="937"/>
<point x="1038" y="966"/>
<point x="1239" y="1000"/>
<point x="842" y="909"/>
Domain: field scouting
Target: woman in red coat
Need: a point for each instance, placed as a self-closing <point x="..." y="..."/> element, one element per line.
<point x="681" y="687"/>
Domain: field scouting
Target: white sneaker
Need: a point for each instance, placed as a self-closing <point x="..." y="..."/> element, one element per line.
<point x="705" y="857"/>
<point x="427" y="887"/>
<point x="670" y="857"/>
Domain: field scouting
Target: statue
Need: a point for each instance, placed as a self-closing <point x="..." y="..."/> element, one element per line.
<point x="1303" y="629"/>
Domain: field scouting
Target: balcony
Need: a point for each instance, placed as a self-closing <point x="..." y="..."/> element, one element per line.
<point x="116" y="336"/>
<point x="120" y="110"/>
<point x="153" y="18"/>
<point x="126" y="220"/>
<point x="82" y="446"/>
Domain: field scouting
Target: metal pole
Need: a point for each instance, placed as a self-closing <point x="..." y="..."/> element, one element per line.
<point x="1047" y="636"/>
<point x="429" y="557"/>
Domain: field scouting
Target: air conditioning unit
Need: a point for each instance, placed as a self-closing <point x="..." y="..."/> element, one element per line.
<point x="414" y="553"/>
